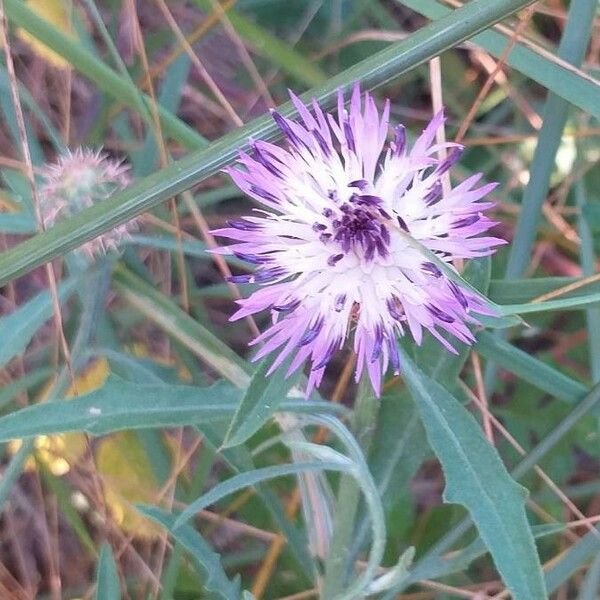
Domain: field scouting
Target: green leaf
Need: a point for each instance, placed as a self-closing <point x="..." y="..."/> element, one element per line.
<point x="376" y="70"/>
<point x="119" y="405"/>
<point x="17" y="329"/>
<point x="207" y="562"/>
<point x="250" y="478"/>
<point x="261" y="400"/>
<point x="107" y="578"/>
<point x="477" y="479"/>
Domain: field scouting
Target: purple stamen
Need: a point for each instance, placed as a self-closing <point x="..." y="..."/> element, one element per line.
<point x="286" y="129"/>
<point x="466" y="222"/>
<point x="269" y="275"/>
<point x="291" y="305"/>
<point x="393" y="305"/>
<point x="433" y="195"/>
<point x="255" y="259"/>
<point x="326" y="357"/>
<point x="399" y="139"/>
<point x="361" y="184"/>
<point x="332" y="260"/>
<point x="439" y="314"/>
<point x="322" y="143"/>
<point x="349" y="136"/>
<point x="452" y="158"/>
<point x="402" y="223"/>
<point x="340" y="301"/>
<point x="243" y="225"/>
<point x="311" y="333"/>
<point x="265" y="162"/>
<point x="394" y="357"/>
<point x="240" y="278"/>
<point x="264" y="194"/>
<point x="377" y="346"/>
<point x="456" y="291"/>
<point x="430" y="268"/>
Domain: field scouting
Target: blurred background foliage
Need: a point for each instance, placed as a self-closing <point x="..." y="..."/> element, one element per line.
<point x="157" y="313"/>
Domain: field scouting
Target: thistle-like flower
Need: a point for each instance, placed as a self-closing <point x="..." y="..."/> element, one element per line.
<point x="341" y="244"/>
<point x="76" y="181"/>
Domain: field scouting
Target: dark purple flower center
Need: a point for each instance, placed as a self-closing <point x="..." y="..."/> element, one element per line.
<point x="358" y="226"/>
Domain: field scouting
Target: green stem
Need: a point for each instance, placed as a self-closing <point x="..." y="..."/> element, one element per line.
<point x="337" y="567"/>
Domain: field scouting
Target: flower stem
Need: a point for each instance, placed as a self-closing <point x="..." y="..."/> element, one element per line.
<point x="364" y="421"/>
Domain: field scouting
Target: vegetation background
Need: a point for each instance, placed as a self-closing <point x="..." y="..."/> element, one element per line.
<point x="169" y="412"/>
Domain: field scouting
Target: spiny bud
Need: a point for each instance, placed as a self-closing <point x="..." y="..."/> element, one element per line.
<point x="77" y="181"/>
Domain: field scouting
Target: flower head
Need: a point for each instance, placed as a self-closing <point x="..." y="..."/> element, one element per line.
<point x="78" y="180"/>
<point x="338" y="246"/>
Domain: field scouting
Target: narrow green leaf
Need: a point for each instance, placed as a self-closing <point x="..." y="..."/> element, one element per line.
<point x="572" y="48"/>
<point x="264" y="396"/>
<point x="207" y="562"/>
<point x="250" y="478"/>
<point x="119" y="405"/>
<point x="108" y="586"/>
<point x="518" y="291"/>
<point x="17" y="329"/>
<point x="477" y="479"/>
<point x="574" y="303"/>
<point x="578" y="555"/>
<point x="441" y="566"/>
<point x="376" y="70"/>
<point x="239" y="460"/>
<point x="590" y="590"/>
<point x="588" y="268"/>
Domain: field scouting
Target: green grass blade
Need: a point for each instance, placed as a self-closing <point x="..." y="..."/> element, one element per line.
<point x="572" y="48"/>
<point x="586" y="549"/>
<point x="590" y="590"/>
<point x="550" y="305"/>
<point x="477" y="479"/>
<point x="206" y="560"/>
<point x="588" y="268"/>
<point x="555" y="77"/>
<point x="376" y="70"/>
<point x="108" y="586"/>
<point x="519" y="291"/>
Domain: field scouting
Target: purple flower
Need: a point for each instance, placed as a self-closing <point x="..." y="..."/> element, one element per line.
<point x="333" y="242"/>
